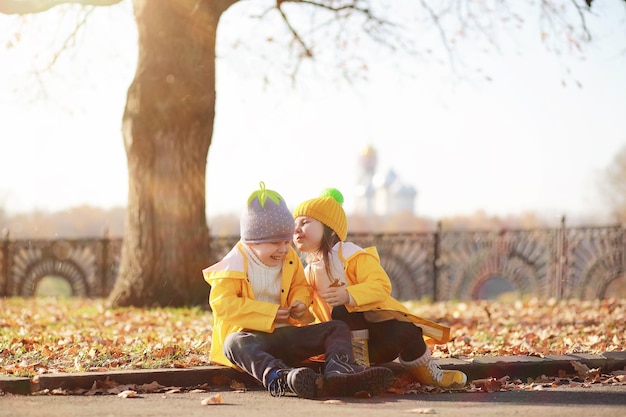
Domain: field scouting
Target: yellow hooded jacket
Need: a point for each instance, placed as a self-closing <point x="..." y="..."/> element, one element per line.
<point x="232" y="299"/>
<point x="370" y="288"/>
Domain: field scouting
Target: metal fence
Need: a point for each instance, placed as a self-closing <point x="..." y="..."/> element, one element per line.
<point x="581" y="262"/>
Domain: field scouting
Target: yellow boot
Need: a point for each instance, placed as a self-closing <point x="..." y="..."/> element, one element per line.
<point x="427" y="372"/>
<point x="360" y="347"/>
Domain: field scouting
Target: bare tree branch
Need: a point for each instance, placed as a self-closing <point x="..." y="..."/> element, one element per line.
<point x="452" y="20"/>
<point x="38" y="6"/>
<point x="307" y="51"/>
<point x="377" y="28"/>
<point x="559" y="22"/>
<point x="345" y="7"/>
<point x="583" y="22"/>
<point x="339" y="11"/>
<point x="70" y="38"/>
<point x="440" y="29"/>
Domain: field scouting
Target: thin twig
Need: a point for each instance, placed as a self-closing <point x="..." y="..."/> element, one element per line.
<point x="70" y="38"/>
<point x="307" y="51"/>
<point x="442" y="32"/>
<point x="582" y="19"/>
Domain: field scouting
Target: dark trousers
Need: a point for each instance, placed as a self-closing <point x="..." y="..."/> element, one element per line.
<point x="258" y="353"/>
<point x="387" y="339"/>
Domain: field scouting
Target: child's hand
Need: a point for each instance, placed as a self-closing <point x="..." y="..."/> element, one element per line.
<point x="297" y="309"/>
<point x="335" y="296"/>
<point x="282" y="315"/>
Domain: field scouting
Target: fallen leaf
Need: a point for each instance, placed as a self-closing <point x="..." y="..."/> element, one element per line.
<point x="58" y="391"/>
<point x="121" y="388"/>
<point x="237" y="385"/>
<point x="151" y="387"/>
<point x="421" y="411"/>
<point x="584" y="371"/>
<point x="128" y="394"/>
<point x="490" y="384"/>
<point x="104" y="384"/>
<point x="335" y="402"/>
<point x="173" y="391"/>
<point x="212" y="400"/>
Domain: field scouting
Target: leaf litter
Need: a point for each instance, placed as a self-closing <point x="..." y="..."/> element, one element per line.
<point x="42" y="336"/>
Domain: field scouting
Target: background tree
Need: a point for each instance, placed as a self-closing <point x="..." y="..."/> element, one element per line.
<point x="168" y="119"/>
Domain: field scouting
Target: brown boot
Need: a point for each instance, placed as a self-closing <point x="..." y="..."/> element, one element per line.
<point x="427" y="372"/>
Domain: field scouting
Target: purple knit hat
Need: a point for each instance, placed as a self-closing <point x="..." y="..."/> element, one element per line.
<point x="266" y="218"/>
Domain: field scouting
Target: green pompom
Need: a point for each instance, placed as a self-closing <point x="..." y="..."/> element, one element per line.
<point x="334" y="193"/>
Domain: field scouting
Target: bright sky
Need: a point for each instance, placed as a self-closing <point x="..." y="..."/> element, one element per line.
<point x="522" y="142"/>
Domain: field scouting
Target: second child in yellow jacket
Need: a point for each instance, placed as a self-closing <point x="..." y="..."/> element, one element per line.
<point x="351" y="285"/>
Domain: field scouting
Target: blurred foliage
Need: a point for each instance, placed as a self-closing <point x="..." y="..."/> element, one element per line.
<point x="87" y="221"/>
<point x="52" y="286"/>
<point x="614" y="185"/>
<point x="76" y="222"/>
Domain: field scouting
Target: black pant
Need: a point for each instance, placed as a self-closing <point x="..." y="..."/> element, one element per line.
<point x="387" y="339"/>
<point x="258" y="353"/>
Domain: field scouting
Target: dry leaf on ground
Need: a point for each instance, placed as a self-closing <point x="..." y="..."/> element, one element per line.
<point x="76" y="335"/>
<point x="212" y="400"/>
<point x="128" y="394"/>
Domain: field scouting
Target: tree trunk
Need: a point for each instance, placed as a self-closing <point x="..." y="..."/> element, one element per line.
<point x="167" y="129"/>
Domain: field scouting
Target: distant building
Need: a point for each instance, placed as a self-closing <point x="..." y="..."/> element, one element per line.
<point x="381" y="194"/>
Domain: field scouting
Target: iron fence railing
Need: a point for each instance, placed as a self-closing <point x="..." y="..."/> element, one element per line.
<point x="581" y="262"/>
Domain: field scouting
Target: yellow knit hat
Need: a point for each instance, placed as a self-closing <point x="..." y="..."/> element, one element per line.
<point x="326" y="209"/>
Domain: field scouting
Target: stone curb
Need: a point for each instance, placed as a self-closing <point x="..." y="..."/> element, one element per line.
<point x="521" y="367"/>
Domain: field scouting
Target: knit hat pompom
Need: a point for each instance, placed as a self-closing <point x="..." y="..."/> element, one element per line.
<point x="334" y="193"/>
<point x="266" y="218"/>
<point x="328" y="210"/>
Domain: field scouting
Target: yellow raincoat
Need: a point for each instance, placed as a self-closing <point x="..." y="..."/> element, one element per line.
<point x="233" y="304"/>
<point x="370" y="288"/>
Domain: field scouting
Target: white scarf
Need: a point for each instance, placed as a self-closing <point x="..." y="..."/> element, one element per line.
<point x="319" y="278"/>
<point x="265" y="280"/>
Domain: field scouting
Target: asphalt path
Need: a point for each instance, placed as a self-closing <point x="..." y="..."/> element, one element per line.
<point x="599" y="400"/>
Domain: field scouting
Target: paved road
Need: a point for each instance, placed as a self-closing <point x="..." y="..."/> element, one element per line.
<point x="598" y="400"/>
<point x="601" y="401"/>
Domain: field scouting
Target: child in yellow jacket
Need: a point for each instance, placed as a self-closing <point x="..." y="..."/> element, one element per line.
<point x="261" y="322"/>
<point x="351" y="285"/>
